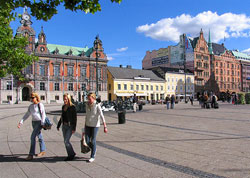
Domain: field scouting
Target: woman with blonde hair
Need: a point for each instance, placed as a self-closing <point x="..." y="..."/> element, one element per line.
<point x="92" y="123"/>
<point x="37" y="111"/>
<point x="68" y="120"/>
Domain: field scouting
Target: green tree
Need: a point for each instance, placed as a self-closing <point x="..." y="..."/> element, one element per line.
<point x="12" y="49"/>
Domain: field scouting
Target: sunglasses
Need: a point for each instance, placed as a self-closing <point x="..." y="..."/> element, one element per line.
<point x="32" y="97"/>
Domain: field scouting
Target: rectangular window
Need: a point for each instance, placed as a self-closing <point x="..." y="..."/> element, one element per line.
<point x="42" y="97"/>
<point x="198" y="56"/>
<point x="56" y="97"/>
<point x="99" y="73"/>
<point x="146" y="87"/>
<point x="83" y="86"/>
<point x="205" y="57"/>
<point x="142" y="87"/>
<point x="70" y="86"/>
<point x="56" y="70"/>
<point x="119" y="86"/>
<point x="57" y="88"/>
<point x="137" y="87"/>
<point x="70" y="70"/>
<point x="42" y="70"/>
<point x="42" y="86"/>
<point x="157" y="88"/>
<point x="83" y="72"/>
<point x="125" y="86"/>
<point x="99" y="87"/>
<point x="9" y="85"/>
<point x="152" y="87"/>
<point x="9" y="98"/>
<point x="109" y="86"/>
<point x="131" y="87"/>
<point x="161" y="88"/>
<point x="28" y="70"/>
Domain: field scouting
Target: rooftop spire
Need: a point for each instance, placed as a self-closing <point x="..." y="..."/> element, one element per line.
<point x="210" y="48"/>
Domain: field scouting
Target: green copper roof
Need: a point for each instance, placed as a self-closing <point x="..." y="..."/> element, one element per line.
<point x="64" y="50"/>
<point x="240" y="55"/>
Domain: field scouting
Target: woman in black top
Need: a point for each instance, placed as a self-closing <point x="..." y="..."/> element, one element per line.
<point x="68" y="121"/>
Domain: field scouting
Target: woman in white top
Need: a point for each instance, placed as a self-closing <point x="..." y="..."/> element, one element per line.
<point x="92" y="123"/>
<point x="38" y="118"/>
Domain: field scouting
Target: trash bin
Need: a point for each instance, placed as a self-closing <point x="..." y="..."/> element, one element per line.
<point x="140" y="107"/>
<point x="121" y="117"/>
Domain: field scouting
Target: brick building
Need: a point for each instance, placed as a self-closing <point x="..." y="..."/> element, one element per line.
<point x="60" y="69"/>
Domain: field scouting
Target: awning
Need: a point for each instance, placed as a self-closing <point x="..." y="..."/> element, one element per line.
<point x="124" y="94"/>
<point x="131" y="94"/>
<point x="141" y="94"/>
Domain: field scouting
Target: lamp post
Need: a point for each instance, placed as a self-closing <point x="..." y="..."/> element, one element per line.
<point x="184" y="61"/>
<point x="97" y="43"/>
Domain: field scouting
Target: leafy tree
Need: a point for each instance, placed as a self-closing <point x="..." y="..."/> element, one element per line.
<point x="12" y="49"/>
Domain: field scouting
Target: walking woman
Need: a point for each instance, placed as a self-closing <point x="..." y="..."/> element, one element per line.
<point x="68" y="120"/>
<point x="92" y="123"/>
<point x="38" y="118"/>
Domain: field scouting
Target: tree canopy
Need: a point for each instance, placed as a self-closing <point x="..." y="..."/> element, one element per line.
<point x="13" y="57"/>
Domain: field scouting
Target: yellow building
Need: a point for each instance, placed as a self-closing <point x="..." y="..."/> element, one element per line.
<point x="175" y="81"/>
<point x="125" y="82"/>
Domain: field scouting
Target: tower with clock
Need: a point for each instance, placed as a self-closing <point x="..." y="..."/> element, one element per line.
<point x="26" y="30"/>
<point x="41" y="46"/>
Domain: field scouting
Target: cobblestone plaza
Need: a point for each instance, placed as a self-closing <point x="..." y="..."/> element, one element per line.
<point x="184" y="142"/>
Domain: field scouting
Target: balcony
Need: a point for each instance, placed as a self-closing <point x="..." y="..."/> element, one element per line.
<point x="199" y="68"/>
<point x="199" y="77"/>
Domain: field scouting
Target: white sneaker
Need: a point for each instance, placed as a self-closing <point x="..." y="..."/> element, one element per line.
<point x="91" y="160"/>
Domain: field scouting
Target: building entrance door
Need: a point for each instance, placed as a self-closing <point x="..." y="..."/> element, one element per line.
<point x="25" y="94"/>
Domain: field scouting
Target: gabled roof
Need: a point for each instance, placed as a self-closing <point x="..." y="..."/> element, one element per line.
<point x="218" y="49"/>
<point x="64" y="50"/>
<point x="128" y="73"/>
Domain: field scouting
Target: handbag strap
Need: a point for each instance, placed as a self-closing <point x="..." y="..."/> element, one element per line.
<point x="40" y="110"/>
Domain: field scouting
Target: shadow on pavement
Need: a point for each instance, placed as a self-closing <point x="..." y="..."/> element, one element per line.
<point x="52" y="159"/>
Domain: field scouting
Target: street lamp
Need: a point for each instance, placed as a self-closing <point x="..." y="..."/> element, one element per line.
<point x="97" y="43"/>
<point x="184" y="61"/>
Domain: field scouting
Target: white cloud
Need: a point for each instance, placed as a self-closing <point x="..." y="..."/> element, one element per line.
<point x="246" y="51"/>
<point x="226" y="25"/>
<point x="122" y="49"/>
<point x="109" y="58"/>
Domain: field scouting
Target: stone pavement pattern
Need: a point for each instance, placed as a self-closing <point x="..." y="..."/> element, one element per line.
<point x="185" y="142"/>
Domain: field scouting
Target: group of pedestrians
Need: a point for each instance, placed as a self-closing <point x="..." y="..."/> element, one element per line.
<point x="208" y="100"/>
<point x="170" y="101"/>
<point x="68" y="120"/>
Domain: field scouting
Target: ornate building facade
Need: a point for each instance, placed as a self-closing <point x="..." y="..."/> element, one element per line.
<point x="215" y="68"/>
<point x="60" y="69"/>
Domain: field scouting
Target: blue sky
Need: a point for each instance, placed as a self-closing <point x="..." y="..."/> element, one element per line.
<point x="133" y="27"/>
